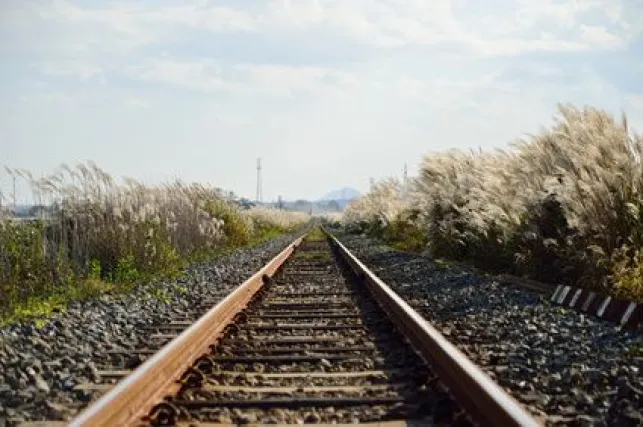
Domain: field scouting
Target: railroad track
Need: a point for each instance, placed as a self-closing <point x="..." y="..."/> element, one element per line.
<point x="313" y="337"/>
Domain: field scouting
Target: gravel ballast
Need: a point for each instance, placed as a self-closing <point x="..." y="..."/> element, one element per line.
<point x="357" y="342"/>
<point x="571" y="368"/>
<point x="41" y="367"/>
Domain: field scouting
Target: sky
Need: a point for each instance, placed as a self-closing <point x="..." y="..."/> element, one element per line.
<point x="327" y="93"/>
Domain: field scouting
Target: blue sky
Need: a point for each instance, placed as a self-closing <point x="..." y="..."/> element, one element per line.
<point x="328" y="93"/>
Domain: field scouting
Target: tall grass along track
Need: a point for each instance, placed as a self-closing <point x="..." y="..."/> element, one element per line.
<point x="563" y="206"/>
<point x="571" y="367"/>
<point x="92" y="234"/>
<point x="52" y="370"/>
<point x="312" y="344"/>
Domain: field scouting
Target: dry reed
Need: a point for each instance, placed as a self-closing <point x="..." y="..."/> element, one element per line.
<point x="564" y="205"/>
<point x="93" y="228"/>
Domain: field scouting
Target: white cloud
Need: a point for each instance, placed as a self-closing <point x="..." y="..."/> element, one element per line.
<point x="51" y="98"/>
<point x="135" y="103"/>
<point x="81" y="69"/>
<point x="599" y="36"/>
<point x="214" y="83"/>
<point x="635" y="101"/>
<point x="211" y="75"/>
<point x="195" y="74"/>
<point x="523" y="26"/>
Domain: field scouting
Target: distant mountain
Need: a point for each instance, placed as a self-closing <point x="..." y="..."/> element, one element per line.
<point x="335" y="201"/>
<point x="343" y="194"/>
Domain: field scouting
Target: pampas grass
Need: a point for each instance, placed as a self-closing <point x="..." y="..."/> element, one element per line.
<point x="564" y="205"/>
<point x="120" y="233"/>
<point x="262" y="217"/>
<point x="379" y="207"/>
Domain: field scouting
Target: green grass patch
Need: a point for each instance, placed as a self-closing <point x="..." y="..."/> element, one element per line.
<point x="314" y="256"/>
<point x="36" y="309"/>
<point x="122" y="279"/>
<point x="316" y="235"/>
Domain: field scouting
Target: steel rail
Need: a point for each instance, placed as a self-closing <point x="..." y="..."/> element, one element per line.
<point x="136" y="394"/>
<point x="486" y="402"/>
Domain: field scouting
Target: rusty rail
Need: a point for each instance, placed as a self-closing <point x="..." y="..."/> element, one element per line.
<point x="486" y="402"/>
<point x="136" y="395"/>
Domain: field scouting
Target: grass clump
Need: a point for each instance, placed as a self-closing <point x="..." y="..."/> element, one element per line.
<point x="314" y="256"/>
<point x="386" y="212"/>
<point x="564" y="205"/>
<point x="96" y="235"/>
<point x="316" y="235"/>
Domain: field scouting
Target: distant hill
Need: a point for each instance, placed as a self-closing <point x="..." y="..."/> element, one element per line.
<point x="334" y="201"/>
<point x="343" y="194"/>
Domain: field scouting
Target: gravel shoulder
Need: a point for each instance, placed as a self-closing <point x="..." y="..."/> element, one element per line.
<point x="41" y="366"/>
<point x="575" y="369"/>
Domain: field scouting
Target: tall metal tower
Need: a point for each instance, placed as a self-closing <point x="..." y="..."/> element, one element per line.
<point x="15" y="205"/>
<point x="259" y="182"/>
<point x="405" y="182"/>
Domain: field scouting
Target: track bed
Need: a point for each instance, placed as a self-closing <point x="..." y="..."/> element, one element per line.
<point x="312" y="337"/>
<point x="312" y="346"/>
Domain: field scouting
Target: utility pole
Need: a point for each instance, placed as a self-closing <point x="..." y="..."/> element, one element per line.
<point x="15" y="205"/>
<point x="259" y="183"/>
<point x="405" y="183"/>
<point x="406" y="178"/>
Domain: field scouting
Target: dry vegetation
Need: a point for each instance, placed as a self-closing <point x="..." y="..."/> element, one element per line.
<point x="100" y="235"/>
<point x="564" y="206"/>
